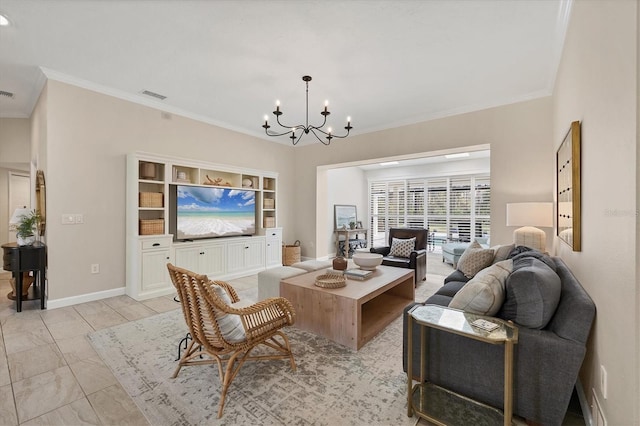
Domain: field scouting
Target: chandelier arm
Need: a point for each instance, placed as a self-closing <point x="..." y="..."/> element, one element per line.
<point x="313" y="129"/>
<point x="277" y="134"/>
<point x="295" y="142"/>
<point x="299" y="126"/>
<point x="332" y="134"/>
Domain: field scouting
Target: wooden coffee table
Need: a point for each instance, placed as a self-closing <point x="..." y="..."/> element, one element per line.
<point x="354" y="314"/>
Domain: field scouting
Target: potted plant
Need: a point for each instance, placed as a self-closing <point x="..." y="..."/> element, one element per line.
<point x="27" y="227"/>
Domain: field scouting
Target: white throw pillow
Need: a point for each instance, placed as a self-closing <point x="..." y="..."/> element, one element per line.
<point x="230" y="324"/>
<point x="484" y="294"/>
<point x="402" y="247"/>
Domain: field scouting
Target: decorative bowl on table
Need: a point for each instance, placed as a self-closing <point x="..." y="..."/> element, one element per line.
<point x="367" y="261"/>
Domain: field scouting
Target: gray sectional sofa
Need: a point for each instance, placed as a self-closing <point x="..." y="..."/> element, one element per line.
<point x="547" y="358"/>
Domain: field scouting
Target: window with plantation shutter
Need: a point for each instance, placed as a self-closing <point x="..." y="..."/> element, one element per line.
<point x="452" y="208"/>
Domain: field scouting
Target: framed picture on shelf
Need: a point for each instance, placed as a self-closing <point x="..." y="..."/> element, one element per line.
<point x="344" y="215"/>
<point x="359" y="225"/>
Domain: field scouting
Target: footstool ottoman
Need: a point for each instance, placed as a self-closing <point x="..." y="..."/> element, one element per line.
<point x="269" y="280"/>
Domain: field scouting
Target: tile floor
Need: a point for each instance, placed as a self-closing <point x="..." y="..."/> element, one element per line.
<point x="49" y="372"/>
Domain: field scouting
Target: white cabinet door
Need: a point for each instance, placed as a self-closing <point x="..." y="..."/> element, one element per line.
<point x="273" y="252"/>
<point x="213" y="260"/>
<point x="155" y="275"/>
<point x="254" y="254"/>
<point x="246" y="254"/>
<point x="189" y="258"/>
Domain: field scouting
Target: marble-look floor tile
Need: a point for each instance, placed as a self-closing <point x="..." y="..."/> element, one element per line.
<point x="7" y="407"/>
<point x="76" y="348"/>
<point x="78" y="413"/>
<point x="32" y="362"/>
<point x="5" y="378"/>
<point x="18" y="340"/>
<point x="161" y="304"/>
<point x="99" y="315"/>
<point x="45" y="392"/>
<point x="21" y="321"/>
<point x="115" y="407"/>
<point x="93" y="375"/>
<point x="67" y="329"/>
<point x="129" y="308"/>
<point x="54" y="316"/>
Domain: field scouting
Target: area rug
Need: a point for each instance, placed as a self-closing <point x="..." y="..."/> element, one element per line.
<point x="333" y="385"/>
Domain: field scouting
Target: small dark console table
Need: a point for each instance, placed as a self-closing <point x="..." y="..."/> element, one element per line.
<point x="21" y="259"/>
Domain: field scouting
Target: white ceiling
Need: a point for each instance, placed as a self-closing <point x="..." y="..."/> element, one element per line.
<point x="384" y="63"/>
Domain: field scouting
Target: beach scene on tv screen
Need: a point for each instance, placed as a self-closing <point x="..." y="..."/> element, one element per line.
<point x="214" y="212"/>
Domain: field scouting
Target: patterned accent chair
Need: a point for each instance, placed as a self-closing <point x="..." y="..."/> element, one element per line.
<point x="417" y="259"/>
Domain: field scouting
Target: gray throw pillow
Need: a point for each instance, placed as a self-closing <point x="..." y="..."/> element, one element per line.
<point x="532" y="293"/>
<point x="502" y="252"/>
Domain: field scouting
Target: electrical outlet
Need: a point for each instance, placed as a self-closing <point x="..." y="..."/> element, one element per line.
<point x="603" y="381"/>
<point x="95" y="268"/>
<point x="79" y="218"/>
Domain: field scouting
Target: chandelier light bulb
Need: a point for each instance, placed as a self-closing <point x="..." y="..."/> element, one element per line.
<point x="266" y="118"/>
<point x="348" y="119"/>
<point x="329" y="130"/>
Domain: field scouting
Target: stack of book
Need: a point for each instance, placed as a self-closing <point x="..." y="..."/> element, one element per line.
<point x="357" y="274"/>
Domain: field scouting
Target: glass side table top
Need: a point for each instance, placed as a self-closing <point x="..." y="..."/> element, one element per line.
<point x="459" y="322"/>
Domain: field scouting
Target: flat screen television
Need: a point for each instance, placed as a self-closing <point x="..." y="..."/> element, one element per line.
<point x="202" y="212"/>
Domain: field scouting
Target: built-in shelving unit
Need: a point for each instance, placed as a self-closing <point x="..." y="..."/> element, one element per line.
<point x="150" y="244"/>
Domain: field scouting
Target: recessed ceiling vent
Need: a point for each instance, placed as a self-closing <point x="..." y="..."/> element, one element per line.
<point x="6" y="94"/>
<point x="154" y="95"/>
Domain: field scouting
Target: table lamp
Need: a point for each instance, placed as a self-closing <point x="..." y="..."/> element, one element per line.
<point x="528" y="216"/>
<point x="17" y="216"/>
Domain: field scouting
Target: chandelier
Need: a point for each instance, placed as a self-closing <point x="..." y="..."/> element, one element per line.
<point x="305" y="129"/>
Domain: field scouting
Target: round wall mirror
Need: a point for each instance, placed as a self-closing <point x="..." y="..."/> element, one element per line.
<point x="41" y="199"/>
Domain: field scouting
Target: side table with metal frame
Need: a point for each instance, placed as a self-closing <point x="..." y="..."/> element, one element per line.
<point x="434" y="403"/>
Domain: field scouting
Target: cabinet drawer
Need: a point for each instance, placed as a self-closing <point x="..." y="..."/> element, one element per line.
<point x="273" y="233"/>
<point x="156" y="243"/>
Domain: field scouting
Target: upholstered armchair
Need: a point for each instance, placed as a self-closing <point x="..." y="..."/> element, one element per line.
<point x="404" y="255"/>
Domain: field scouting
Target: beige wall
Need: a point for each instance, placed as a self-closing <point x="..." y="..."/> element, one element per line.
<point x="522" y="165"/>
<point x="87" y="137"/>
<point x="597" y="84"/>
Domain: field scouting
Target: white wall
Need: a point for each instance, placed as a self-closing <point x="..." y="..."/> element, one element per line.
<point x="345" y="185"/>
<point x="522" y="164"/>
<point x="597" y="84"/>
<point x="87" y="136"/>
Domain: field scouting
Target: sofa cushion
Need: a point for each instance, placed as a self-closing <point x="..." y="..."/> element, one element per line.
<point x="532" y="293"/>
<point x="501" y="252"/>
<point x="451" y="288"/>
<point x="456" y="276"/>
<point x="484" y="293"/>
<point x="312" y="265"/>
<point x="402" y="247"/>
<point x="474" y="259"/>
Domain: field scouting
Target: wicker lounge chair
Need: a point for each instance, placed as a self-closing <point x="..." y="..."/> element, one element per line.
<point x="208" y="311"/>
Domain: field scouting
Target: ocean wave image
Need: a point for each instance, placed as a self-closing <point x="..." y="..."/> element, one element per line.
<point x="214" y="212"/>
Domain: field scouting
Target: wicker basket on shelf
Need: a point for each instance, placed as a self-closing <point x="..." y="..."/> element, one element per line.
<point x="151" y="199"/>
<point x="151" y="226"/>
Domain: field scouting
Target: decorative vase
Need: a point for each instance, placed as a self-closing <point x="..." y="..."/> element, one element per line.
<point x="339" y="263"/>
<point x="27" y="280"/>
<point x="26" y="241"/>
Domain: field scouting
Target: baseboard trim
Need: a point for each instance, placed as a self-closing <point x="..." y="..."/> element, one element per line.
<point x="84" y="298"/>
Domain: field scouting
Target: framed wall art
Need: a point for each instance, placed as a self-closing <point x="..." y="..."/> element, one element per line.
<point x="568" y="188"/>
<point x="344" y="215"/>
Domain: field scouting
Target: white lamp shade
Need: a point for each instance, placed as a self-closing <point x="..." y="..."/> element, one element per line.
<point x="530" y="214"/>
<point x="18" y="214"/>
